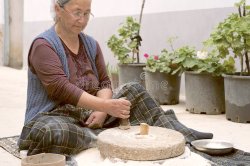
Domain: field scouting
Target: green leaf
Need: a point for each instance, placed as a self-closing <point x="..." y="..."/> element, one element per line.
<point x="178" y="70"/>
<point x="125" y="44"/>
<point x="189" y="64"/>
<point x="179" y="59"/>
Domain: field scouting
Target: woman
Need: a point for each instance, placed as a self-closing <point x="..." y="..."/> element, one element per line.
<point x="69" y="98"/>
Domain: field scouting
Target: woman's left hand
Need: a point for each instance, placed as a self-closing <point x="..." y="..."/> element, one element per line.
<point x="96" y="119"/>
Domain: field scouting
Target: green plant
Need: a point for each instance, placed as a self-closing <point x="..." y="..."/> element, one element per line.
<point x="171" y="62"/>
<point x="233" y="36"/>
<point x="111" y="69"/>
<point x="186" y="59"/>
<point x="126" y="44"/>
<point x="211" y="62"/>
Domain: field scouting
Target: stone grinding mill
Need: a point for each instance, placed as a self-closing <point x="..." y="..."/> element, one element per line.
<point x="141" y="143"/>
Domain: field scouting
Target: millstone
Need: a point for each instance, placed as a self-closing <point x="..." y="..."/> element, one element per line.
<point x="160" y="143"/>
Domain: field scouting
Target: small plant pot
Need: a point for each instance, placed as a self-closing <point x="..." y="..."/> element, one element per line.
<point x="237" y="98"/>
<point x="131" y="73"/>
<point x="204" y="93"/>
<point x="164" y="88"/>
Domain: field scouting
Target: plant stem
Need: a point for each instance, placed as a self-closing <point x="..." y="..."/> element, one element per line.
<point x="140" y="20"/>
<point x="142" y="7"/>
<point x="239" y="10"/>
<point x="246" y="53"/>
<point x="247" y="63"/>
<point x="244" y="9"/>
<point x="241" y="64"/>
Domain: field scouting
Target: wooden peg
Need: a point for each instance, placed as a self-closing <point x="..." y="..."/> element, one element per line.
<point x="144" y="128"/>
<point x="124" y="123"/>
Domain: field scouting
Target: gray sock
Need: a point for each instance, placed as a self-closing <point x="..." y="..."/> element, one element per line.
<point x="201" y="135"/>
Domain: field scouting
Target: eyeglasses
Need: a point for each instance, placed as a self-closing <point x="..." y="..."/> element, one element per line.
<point x="78" y="14"/>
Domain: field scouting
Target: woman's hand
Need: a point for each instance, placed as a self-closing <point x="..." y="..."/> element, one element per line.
<point x="96" y="119"/>
<point x="118" y="108"/>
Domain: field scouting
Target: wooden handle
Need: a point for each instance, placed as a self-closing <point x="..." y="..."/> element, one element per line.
<point x="144" y="128"/>
<point x="124" y="123"/>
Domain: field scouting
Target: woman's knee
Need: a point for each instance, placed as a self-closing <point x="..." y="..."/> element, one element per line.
<point x="135" y="86"/>
<point x="49" y="131"/>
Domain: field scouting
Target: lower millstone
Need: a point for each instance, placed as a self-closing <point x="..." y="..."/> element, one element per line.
<point x="160" y="143"/>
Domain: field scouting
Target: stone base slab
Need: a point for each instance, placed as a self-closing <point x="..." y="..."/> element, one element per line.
<point x="160" y="143"/>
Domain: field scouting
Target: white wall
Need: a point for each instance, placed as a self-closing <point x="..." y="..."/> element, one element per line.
<point x="39" y="10"/>
<point x="1" y="11"/>
<point x="1" y="30"/>
<point x="128" y="7"/>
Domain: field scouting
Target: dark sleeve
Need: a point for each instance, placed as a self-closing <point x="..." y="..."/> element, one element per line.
<point x="45" y="63"/>
<point x="101" y="69"/>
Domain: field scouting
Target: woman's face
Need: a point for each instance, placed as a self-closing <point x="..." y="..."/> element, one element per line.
<point x="74" y="15"/>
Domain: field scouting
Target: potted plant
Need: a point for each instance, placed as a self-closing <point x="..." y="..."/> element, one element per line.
<point x="113" y="74"/>
<point x="125" y="46"/>
<point x="204" y="84"/>
<point x="232" y="37"/>
<point x="163" y="73"/>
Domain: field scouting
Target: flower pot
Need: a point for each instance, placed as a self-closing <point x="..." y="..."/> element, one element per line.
<point x="131" y="73"/>
<point x="237" y="98"/>
<point x="204" y="93"/>
<point x="164" y="88"/>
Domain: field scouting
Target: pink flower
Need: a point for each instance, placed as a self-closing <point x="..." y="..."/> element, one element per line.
<point x="156" y="57"/>
<point x="146" y="55"/>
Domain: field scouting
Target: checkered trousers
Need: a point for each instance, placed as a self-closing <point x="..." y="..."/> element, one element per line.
<point x="62" y="130"/>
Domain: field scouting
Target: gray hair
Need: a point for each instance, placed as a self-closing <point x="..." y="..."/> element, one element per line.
<point x="61" y="3"/>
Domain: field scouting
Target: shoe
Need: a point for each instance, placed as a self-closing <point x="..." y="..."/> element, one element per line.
<point x="201" y="135"/>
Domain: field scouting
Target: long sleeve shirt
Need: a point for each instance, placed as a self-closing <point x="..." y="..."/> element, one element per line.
<point x="45" y="63"/>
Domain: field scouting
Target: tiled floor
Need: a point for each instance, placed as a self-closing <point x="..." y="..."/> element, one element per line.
<point x="12" y="107"/>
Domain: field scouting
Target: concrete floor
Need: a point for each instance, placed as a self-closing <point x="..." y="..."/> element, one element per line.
<point x="12" y="107"/>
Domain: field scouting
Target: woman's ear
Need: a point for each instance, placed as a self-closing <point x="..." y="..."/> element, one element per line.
<point x="57" y="9"/>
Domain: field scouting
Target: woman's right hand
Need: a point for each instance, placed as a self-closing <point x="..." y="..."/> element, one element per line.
<point x="119" y="108"/>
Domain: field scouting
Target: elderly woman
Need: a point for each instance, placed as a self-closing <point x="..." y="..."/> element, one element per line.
<point x="69" y="98"/>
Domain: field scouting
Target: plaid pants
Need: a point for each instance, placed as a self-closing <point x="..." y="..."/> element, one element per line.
<point x="62" y="131"/>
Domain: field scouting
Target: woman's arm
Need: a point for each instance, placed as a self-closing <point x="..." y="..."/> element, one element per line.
<point x="114" y="107"/>
<point x="45" y="63"/>
<point x="96" y="119"/>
